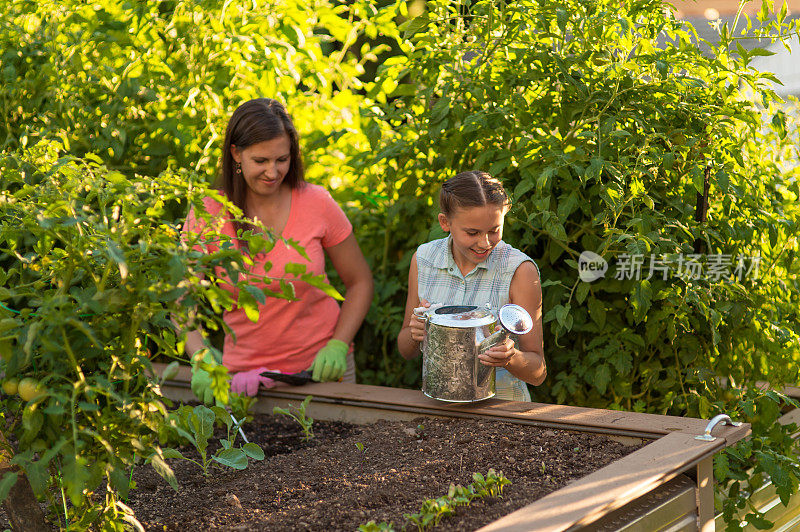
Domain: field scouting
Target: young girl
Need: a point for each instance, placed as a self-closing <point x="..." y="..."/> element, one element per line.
<point x="473" y="266"/>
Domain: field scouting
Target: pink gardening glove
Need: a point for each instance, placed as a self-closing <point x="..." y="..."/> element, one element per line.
<point x="246" y="382"/>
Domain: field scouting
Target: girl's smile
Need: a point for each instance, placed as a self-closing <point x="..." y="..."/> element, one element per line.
<point x="475" y="232"/>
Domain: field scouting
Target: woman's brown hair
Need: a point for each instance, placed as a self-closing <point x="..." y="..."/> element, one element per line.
<point x="472" y="189"/>
<point x="252" y="122"/>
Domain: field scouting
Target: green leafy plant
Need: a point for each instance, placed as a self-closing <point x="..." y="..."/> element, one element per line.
<point x="609" y="139"/>
<point x="196" y="425"/>
<point x="433" y="510"/>
<point x="93" y="273"/>
<point x="298" y="413"/>
<point x="491" y="485"/>
<point x="372" y="526"/>
<point x="363" y="451"/>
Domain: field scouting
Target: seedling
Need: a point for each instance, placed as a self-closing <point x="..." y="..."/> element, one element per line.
<point x="363" y="451"/>
<point x="433" y="510"/>
<point x="372" y="526"/>
<point x="491" y="485"/>
<point x="197" y="425"/>
<point x="299" y="415"/>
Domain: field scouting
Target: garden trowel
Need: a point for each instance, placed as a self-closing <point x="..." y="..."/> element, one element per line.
<point x="295" y="379"/>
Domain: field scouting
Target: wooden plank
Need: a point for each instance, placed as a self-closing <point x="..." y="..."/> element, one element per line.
<point x="586" y="500"/>
<point x="558" y="416"/>
<point x="705" y="495"/>
<point x="581" y="503"/>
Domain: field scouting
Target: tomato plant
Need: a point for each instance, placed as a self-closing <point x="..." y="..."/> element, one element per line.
<point x="93" y="273"/>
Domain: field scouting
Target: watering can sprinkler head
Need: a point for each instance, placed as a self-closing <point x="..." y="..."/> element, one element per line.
<point x="515" y="319"/>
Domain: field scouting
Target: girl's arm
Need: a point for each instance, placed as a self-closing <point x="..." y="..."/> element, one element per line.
<point x="354" y="271"/>
<point x="413" y="331"/>
<point x="526" y="363"/>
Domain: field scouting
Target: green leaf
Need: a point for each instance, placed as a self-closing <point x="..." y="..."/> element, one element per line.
<point x="8" y="481"/>
<point x="76" y="474"/>
<point x="581" y="291"/>
<point x="235" y="458"/>
<point x="758" y="521"/>
<point x="761" y="52"/>
<point x="723" y="181"/>
<point x="202" y="422"/>
<point x="171" y="453"/>
<point x="561" y="19"/>
<point x="622" y="361"/>
<point x="120" y="481"/>
<point x="32" y="421"/>
<point x="721" y="467"/>
<point x="602" y="376"/>
<point x="253" y="451"/>
<point x="171" y="371"/>
<point x="295" y="269"/>
<point x="698" y="179"/>
<point x="249" y="304"/>
<point x="416" y="25"/>
<point x="641" y="299"/>
<point x="257" y="294"/>
<point x="223" y="415"/>
<point x="597" y="311"/>
<point x="163" y="469"/>
<point x="318" y="281"/>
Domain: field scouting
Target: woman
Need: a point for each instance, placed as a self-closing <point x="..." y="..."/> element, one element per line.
<point x="262" y="173"/>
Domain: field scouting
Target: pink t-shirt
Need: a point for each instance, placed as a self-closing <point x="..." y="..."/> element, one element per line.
<point x="288" y="334"/>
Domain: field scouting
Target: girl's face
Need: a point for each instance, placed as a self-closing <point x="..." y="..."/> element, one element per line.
<point x="264" y="164"/>
<point x="475" y="231"/>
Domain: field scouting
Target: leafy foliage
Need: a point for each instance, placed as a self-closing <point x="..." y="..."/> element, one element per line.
<point x="298" y="413"/>
<point x="608" y="124"/>
<point x="196" y="425"/>
<point x="433" y="510"/>
<point x="93" y="274"/>
<point x="151" y="85"/>
<point x="603" y="119"/>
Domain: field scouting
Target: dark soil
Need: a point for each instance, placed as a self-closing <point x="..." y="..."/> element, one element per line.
<point x="328" y="484"/>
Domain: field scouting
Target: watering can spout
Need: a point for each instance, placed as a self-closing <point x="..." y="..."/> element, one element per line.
<point x="513" y="320"/>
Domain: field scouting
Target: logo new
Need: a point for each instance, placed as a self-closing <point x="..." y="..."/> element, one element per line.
<point x="591" y="266"/>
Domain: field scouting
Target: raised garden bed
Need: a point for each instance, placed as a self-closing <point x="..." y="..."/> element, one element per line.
<point x="673" y="466"/>
<point x="330" y="483"/>
<point x="411" y="448"/>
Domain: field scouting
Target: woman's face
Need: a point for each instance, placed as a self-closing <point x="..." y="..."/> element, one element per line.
<point x="475" y="231"/>
<point x="264" y="164"/>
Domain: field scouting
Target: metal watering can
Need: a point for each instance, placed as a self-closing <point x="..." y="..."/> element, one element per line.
<point x="455" y="336"/>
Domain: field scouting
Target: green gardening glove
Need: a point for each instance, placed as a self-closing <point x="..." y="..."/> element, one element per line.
<point x="201" y="379"/>
<point x="330" y="362"/>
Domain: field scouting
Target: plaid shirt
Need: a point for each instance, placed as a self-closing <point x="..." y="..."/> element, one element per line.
<point x="439" y="280"/>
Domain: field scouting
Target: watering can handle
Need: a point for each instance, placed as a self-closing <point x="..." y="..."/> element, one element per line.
<point x="422" y="312"/>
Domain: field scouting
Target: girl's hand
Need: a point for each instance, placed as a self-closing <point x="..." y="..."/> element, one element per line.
<point x="417" y="325"/>
<point x="499" y="355"/>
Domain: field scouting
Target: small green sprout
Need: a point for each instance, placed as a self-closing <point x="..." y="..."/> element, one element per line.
<point x="363" y="451"/>
<point x="299" y="415"/>
<point x="372" y="526"/>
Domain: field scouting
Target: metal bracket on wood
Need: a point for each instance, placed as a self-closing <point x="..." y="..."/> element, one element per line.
<point x="725" y="419"/>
